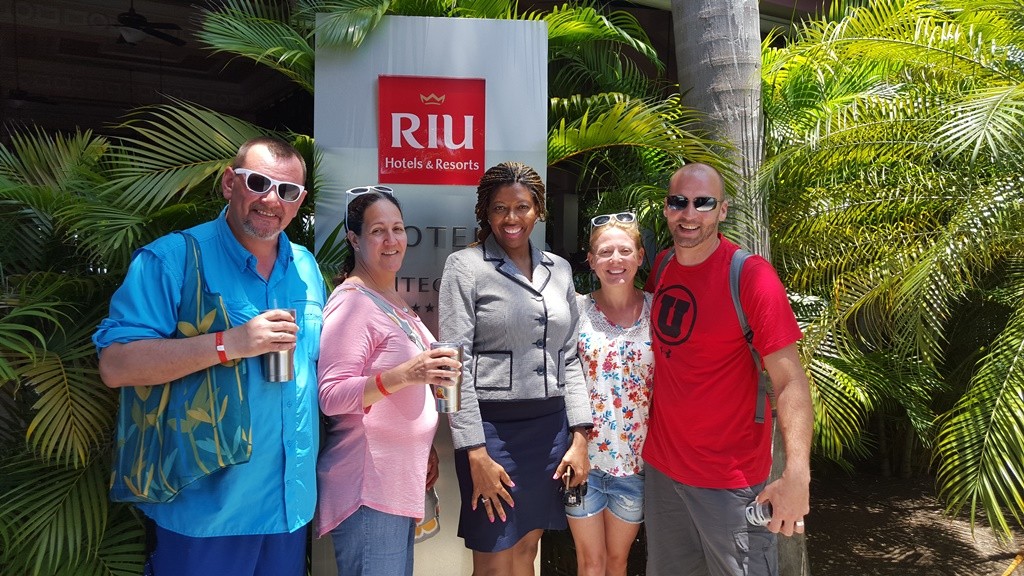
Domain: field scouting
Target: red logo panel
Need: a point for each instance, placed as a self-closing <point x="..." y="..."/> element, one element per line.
<point x="430" y="130"/>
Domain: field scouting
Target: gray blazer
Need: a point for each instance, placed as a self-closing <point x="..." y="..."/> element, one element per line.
<point x="520" y="336"/>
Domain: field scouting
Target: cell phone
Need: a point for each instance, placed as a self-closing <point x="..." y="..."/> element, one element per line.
<point x="572" y="496"/>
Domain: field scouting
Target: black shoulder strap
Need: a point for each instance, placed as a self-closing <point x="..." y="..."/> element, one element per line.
<point x="665" y="255"/>
<point x="739" y="257"/>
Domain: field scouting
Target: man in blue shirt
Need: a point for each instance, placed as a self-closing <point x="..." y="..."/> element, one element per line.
<point x="248" y="518"/>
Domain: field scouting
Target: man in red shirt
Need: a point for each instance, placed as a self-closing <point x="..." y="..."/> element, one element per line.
<point x="707" y="458"/>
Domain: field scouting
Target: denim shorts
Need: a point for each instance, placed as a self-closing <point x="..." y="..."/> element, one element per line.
<point x="623" y="496"/>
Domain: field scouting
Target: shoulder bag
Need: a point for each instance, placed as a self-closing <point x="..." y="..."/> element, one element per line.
<point x="170" y="435"/>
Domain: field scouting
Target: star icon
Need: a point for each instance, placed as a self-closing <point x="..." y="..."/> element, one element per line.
<point x="416" y="308"/>
<point x="430" y="307"/>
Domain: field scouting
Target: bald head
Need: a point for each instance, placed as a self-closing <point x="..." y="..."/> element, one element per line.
<point x="700" y="176"/>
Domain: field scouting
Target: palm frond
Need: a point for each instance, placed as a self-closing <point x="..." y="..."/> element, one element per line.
<point x="571" y="25"/>
<point x="171" y="149"/>
<point x="599" y="68"/>
<point x="50" y="517"/>
<point x="73" y="413"/>
<point x="21" y="338"/>
<point x="980" y="444"/>
<point x="988" y="122"/>
<point x="493" y="9"/>
<point x="634" y="123"/>
<point x="262" y="32"/>
<point x="122" y="551"/>
<point x="345" y="22"/>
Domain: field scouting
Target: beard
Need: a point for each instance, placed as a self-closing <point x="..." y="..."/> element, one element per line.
<point x="263" y="233"/>
<point x="704" y="233"/>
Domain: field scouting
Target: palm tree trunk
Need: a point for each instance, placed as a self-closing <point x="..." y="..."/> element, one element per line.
<point x="718" y="59"/>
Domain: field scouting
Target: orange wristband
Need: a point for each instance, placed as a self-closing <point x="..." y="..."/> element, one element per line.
<point x="218" y="339"/>
<point x="380" y="386"/>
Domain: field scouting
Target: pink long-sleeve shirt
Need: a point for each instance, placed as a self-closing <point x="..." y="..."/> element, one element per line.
<point x="375" y="457"/>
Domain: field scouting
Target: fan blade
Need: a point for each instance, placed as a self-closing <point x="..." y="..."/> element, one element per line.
<point x="162" y="26"/>
<point x="165" y="37"/>
<point x="131" y="20"/>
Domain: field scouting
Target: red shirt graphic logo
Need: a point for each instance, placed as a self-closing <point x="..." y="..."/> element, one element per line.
<point x="430" y="130"/>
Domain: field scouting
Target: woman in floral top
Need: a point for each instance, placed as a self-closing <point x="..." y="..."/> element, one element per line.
<point x="615" y="347"/>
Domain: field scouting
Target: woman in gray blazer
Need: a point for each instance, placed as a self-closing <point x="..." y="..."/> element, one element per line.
<point x="514" y="308"/>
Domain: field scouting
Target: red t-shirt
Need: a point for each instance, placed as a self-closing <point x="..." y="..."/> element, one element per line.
<point x="702" y="431"/>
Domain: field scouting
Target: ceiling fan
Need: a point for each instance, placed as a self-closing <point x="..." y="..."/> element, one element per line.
<point x="135" y="26"/>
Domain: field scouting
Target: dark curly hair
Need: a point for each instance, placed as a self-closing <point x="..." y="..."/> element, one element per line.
<point x="506" y="174"/>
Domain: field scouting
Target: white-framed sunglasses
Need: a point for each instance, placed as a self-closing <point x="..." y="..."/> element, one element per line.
<point x="353" y="193"/>
<point x="360" y="190"/>
<point x="621" y="217"/>
<point x="261" y="184"/>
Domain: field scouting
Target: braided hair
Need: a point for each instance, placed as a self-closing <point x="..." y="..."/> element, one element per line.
<point x="506" y="174"/>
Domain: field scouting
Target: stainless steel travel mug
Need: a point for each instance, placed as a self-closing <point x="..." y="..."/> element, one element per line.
<point x="448" y="397"/>
<point x="279" y="366"/>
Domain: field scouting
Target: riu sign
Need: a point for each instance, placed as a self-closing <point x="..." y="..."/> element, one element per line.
<point x="430" y="130"/>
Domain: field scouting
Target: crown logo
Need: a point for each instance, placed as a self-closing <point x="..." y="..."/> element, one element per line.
<point x="432" y="99"/>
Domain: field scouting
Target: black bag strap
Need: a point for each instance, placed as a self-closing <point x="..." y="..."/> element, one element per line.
<point x="662" y="264"/>
<point x="739" y="257"/>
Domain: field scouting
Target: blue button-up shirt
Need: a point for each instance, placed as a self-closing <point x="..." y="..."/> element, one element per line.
<point x="275" y="491"/>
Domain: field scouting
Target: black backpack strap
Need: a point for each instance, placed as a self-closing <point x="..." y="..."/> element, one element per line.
<point x="662" y="264"/>
<point x="739" y="257"/>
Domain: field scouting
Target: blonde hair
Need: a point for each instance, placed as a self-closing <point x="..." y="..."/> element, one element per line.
<point x="629" y="228"/>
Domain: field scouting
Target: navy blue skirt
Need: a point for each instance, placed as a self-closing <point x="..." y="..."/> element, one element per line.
<point x="528" y="438"/>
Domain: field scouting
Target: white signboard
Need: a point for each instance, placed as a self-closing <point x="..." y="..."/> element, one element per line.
<point x="425" y="106"/>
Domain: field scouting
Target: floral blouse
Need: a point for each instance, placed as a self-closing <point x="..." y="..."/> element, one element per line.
<point x="619" y="367"/>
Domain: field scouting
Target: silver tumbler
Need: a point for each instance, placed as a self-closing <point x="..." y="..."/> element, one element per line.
<point x="279" y="366"/>
<point x="448" y="397"/>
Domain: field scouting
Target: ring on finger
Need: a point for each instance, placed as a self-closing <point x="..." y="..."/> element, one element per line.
<point x="799" y="523"/>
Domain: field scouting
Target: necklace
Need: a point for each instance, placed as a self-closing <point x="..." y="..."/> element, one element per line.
<point x="620" y="318"/>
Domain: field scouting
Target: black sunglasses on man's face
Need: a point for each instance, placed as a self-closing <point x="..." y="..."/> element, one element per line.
<point x="700" y="203"/>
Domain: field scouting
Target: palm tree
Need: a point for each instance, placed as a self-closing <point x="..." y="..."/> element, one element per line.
<point x="718" y="57"/>
<point x="893" y="146"/>
<point x="77" y="207"/>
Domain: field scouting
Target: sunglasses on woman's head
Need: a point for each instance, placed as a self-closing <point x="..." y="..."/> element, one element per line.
<point x="261" y="184"/>
<point x="353" y="193"/>
<point x="621" y="217"/>
<point x="360" y="190"/>
<point x="700" y="203"/>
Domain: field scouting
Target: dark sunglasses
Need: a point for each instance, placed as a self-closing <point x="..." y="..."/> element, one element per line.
<point x="700" y="203"/>
<point x="261" y="184"/>
<point x="623" y="217"/>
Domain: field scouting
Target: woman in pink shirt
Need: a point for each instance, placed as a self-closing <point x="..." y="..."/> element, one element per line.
<point x="375" y="364"/>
